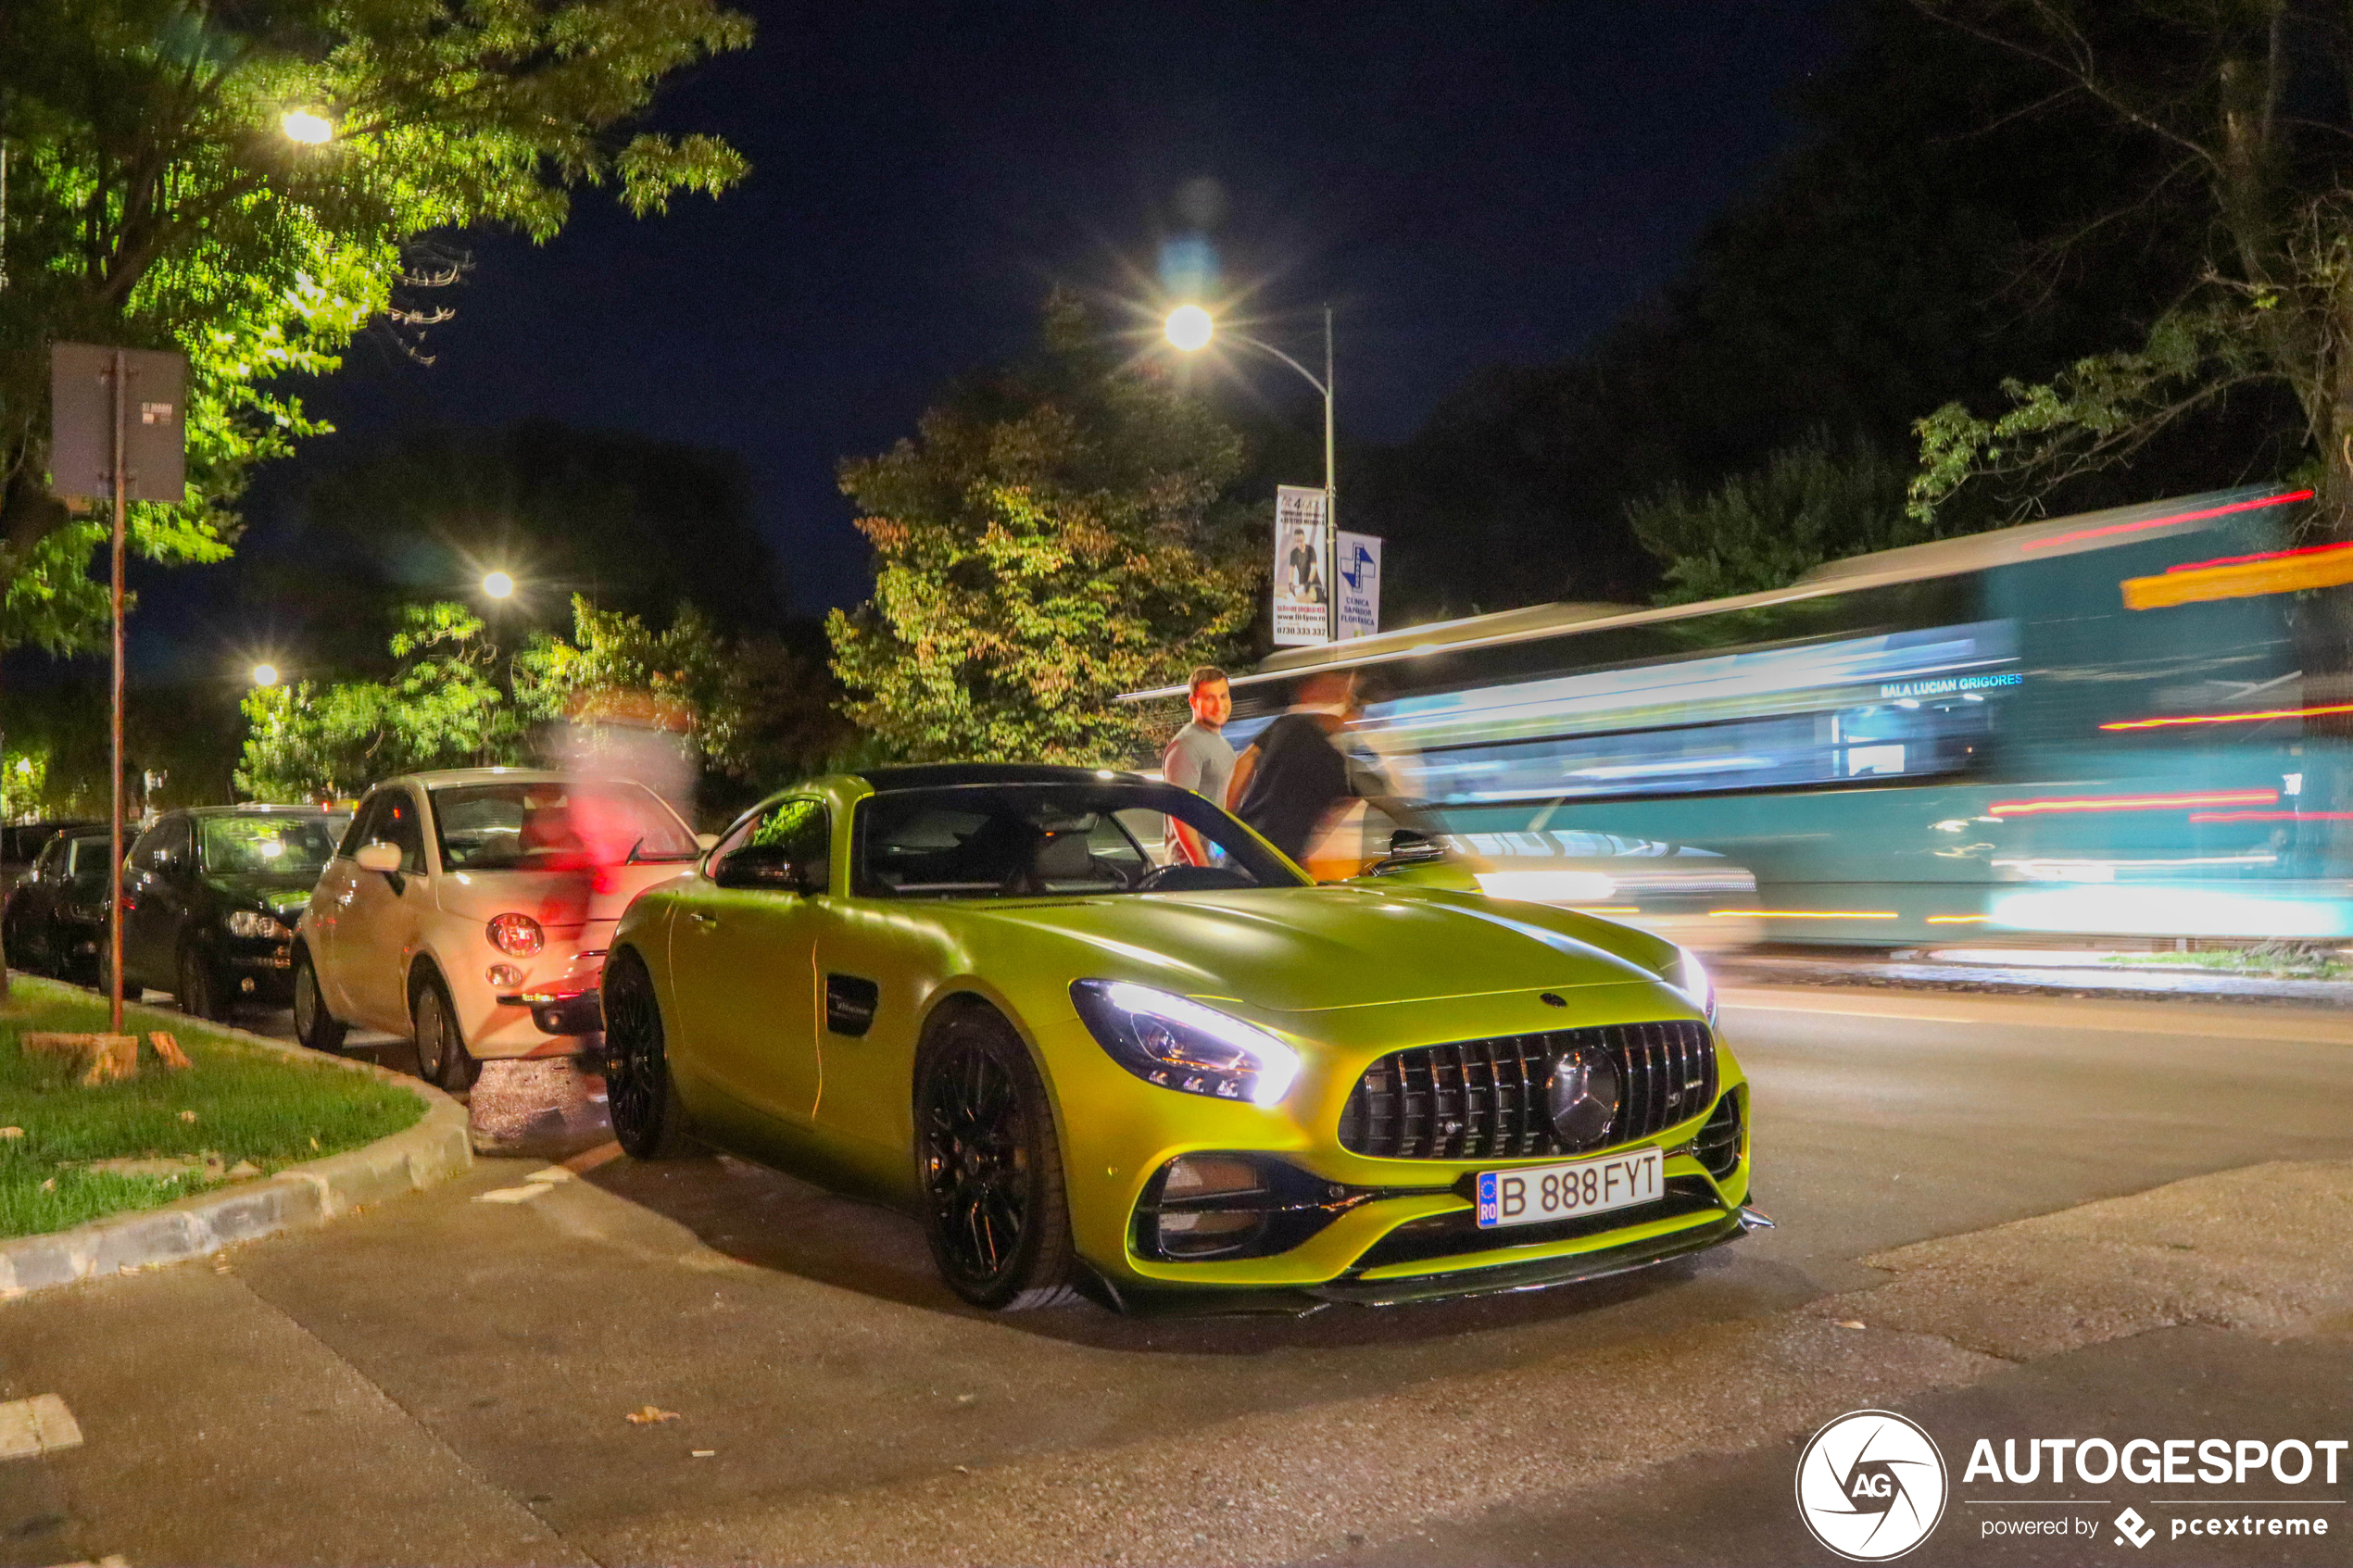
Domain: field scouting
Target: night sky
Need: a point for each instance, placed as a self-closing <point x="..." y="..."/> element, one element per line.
<point x="1467" y="183"/>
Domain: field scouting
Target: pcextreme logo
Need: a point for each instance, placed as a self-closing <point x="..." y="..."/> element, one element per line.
<point x="1870" y="1486"/>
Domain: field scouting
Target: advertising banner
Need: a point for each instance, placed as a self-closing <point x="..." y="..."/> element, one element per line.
<point x="1302" y="603"/>
<point x="1359" y="573"/>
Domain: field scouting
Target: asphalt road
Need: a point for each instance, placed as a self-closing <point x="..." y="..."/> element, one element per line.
<point x="446" y="1380"/>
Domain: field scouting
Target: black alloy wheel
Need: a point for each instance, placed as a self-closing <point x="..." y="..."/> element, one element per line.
<point x="316" y="1027"/>
<point x="994" y="1206"/>
<point x="442" y="1056"/>
<point x="647" y="1121"/>
<point x="199" y="994"/>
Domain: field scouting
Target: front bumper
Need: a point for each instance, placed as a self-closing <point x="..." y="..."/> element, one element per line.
<point x="1390" y="1229"/>
<point x="560" y="1012"/>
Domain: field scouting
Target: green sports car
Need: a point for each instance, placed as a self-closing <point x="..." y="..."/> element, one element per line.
<point x="970" y="991"/>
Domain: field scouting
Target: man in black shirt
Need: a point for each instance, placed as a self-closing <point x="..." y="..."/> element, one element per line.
<point x="1292" y="774"/>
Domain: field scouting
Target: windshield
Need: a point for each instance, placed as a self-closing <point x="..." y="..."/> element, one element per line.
<point x="1012" y="841"/>
<point x="269" y="844"/>
<point x="553" y="825"/>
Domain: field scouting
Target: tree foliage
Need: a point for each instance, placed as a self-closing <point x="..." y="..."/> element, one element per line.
<point x="459" y="698"/>
<point x="1812" y="502"/>
<point x="1054" y="536"/>
<point x="2244" y="106"/>
<point x="153" y="201"/>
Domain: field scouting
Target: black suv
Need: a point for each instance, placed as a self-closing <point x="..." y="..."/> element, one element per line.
<point x="211" y="896"/>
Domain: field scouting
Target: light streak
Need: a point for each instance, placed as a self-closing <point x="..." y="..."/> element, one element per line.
<point x="1958" y="920"/>
<point x="2160" y="521"/>
<point x="2135" y="802"/>
<point x="2252" y="718"/>
<point x="2266" y="555"/>
<point x="1803" y="914"/>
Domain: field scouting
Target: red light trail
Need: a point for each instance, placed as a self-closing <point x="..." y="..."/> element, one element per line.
<point x="2161" y="522"/>
<point x="2133" y="802"/>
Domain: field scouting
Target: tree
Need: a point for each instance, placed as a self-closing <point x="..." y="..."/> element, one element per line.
<point x="2244" y="104"/>
<point x="1812" y="502"/>
<point x="155" y="202"/>
<point x="635" y="524"/>
<point x="1055" y="534"/>
<point x="1923" y="242"/>
<point x="450" y="704"/>
<point x="458" y="698"/>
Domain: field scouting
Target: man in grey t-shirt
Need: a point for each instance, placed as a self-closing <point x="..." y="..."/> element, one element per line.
<point x="1198" y="757"/>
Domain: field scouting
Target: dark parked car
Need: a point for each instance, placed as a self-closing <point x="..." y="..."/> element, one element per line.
<point x="56" y="915"/>
<point x="21" y="845"/>
<point x="211" y="896"/>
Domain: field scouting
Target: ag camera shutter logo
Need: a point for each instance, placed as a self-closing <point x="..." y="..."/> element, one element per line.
<point x="1870" y="1486"/>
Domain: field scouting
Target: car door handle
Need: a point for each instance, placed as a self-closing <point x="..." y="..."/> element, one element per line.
<point x="705" y="922"/>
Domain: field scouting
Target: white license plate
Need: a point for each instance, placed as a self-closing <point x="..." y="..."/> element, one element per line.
<point x="1537" y="1193"/>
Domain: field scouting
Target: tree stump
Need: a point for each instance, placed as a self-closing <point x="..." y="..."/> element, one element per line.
<point x="105" y="1058"/>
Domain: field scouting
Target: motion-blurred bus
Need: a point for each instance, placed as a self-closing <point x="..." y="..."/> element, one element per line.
<point x="2128" y="723"/>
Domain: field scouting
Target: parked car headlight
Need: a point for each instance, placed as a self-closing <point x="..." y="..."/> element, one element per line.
<point x="519" y="935"/>
<point x="1688" y="976"/>
<point x="253" y="923"/>
<point x="1182" y="1045"/>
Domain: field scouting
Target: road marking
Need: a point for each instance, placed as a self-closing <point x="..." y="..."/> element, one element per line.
<point x="39" y="1425"/>
<point x="513" y="1195"/>
<point x="552" y="1173"/>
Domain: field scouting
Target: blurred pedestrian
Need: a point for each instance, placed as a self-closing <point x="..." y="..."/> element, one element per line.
<point x="1292" y="774"/>
<point x="1198" y="756"/>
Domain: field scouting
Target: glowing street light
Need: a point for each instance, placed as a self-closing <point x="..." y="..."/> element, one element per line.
<point x="1189" y="327"/>
<point x="307" y="127"/>
<point x="265" y="674"/>
<point x="498" y="585"/>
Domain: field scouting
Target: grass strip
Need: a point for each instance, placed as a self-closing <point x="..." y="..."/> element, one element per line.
<point x="236" y="1104"/>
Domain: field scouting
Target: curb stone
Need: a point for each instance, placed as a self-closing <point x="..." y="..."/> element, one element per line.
<point x="312" y="1194"/>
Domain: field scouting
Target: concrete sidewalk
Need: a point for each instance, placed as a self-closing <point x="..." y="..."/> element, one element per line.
<point x="228" y="1420"/>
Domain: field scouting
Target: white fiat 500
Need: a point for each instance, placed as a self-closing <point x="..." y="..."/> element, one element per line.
<point x="470" y="910"/>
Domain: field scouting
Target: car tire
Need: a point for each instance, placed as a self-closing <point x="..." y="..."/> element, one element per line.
<point x="199" y="994"/>
<point x="442" y="1056"/>
<point x="640" y="1095"/>
<point x="989" y="1169"/>
<point x="315" y="1027"/>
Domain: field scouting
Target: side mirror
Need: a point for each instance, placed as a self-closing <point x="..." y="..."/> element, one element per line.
<point x="705" y="841"/>
<point x="379" y="857"/>
<point x="1408" y="844"/>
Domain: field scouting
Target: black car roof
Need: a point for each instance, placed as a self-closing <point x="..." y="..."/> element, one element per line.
<point x="932" y="776"/>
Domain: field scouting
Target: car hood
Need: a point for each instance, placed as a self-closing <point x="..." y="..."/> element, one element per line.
<point x="556" y="899"/>
<point x="1310" y="948"/>
<point x="284" y="897"/>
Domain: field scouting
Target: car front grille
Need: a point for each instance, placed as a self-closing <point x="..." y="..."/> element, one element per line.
<point x="1483" y="1100"/>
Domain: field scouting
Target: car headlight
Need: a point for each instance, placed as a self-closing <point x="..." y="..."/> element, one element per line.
<point x="1688" y="976"/>
<point x="253" y="923"/>
<point x="518" y="934"/>
<point x="1182" y="1045"/>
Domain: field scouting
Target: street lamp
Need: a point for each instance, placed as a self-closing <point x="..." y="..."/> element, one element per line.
<point x="265" y="674"/>
<point x="498" y="585"/>
<point x="1189" y="328"/>
<point x="307" y="127"/>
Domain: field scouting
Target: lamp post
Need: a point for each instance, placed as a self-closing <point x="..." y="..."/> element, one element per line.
<point x="1189" y="328"/>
